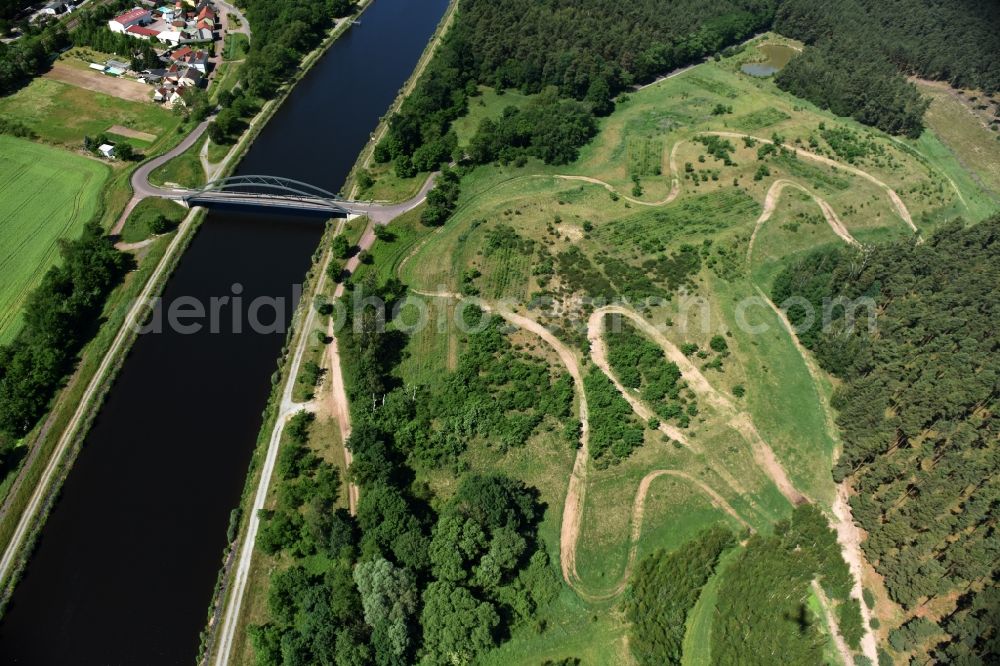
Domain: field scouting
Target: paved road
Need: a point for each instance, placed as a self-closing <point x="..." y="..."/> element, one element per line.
<point x="141" y="186"/>
<point x="379" y="213"/>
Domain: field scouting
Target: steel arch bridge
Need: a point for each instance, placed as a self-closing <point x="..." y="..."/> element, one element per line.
<point x="267" y="191"/>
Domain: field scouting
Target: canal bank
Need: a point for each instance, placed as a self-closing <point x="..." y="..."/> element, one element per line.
<point x="124" y="570"/>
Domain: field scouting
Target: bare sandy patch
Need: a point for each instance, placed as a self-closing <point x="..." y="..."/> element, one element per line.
<point x="131" y="133"/>
<point x="126" y="89"/>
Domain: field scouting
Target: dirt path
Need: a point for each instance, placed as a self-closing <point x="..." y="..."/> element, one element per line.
<point x="577" y="486"/>
<point x="639" y="511"/>
<point x="771" y="203"/>
<point x="599" y="354"/>
<point x="740" y="421"/>
<point x="576" y="491"/>
<point x="849" y="536"/>
<point x="831" y="621"/>
<point x="335" y="405"/>
<point x="131" y="133"/>
<point x="901" y="208"/>
<point x="674" y="190"/>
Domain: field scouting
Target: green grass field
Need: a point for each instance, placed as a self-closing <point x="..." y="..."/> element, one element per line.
<point x="45" y="194"/>
<point x="63" y="114"/>
<point x="236" y="46"/>
<point x="488" y="104"/>
<point x="137" y="225"/>
<point x="184" y="170"/>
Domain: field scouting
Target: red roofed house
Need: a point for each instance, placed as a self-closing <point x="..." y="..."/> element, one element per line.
<point x="140" y="32"/>
<point x="137" y="16"/>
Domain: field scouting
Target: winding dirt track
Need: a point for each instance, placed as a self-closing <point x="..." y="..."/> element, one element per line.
<point x="577" y="486"/>
<point x="771" y="203"/>
<point x="848" y="534"/>
<point x="675" y="189"/>
<point x="901" y="208"/>
<point x="739" y="421"/>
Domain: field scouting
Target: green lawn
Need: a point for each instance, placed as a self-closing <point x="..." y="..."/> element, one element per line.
<point x="184" y="170"/>
<point x="45" y="194"/>
<point x="63" y="114"/>
<point x="137" y="225"/>
<point x="236" y="47"/>
<point x="227" y="74"/>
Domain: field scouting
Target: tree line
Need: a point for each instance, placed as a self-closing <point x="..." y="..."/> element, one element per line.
<point x="60" y="316"/>
<point x="762" y="608"/>
<point x="916" y="412"/>
<point x="664" y="589"/>
<point x="601" y="48"/>
<point x="861" y="50"/>
<point x="284" y="32"/>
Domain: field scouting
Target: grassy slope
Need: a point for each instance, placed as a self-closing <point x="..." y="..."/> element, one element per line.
<point x="45" y="194"/>
<point x="781" y="395"/>
<point x="137" y="225"/>
<point x="63" y="114"/>
<point x="184" y="170"/>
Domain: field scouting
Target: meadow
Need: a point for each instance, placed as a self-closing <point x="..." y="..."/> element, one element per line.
<point x="63" y="114"/>
<point x="694" y="194"/>
<point x="45" y="194"/>
<point x="140" y="223"/>
<point x="694" y="234"/>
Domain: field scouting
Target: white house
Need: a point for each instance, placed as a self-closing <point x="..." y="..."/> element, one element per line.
<point x="56" y="8"/>
<point x="172" y="37"/>
<point x="123" y="22"/>
<point x="107" y="150"/>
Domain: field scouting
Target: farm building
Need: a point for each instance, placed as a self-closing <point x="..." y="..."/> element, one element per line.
<point x="123" y="22"/>
<point x="140" y="32"/>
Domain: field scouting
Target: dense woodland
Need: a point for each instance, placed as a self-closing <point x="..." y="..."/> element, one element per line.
<point x="60" y="316"/>
<point x="762" y="608"/>
<point x="663" y="591"/>
<point x="861" y="49"/>
<point x="415" y="577"/>
<point x="917" y="415"/>
<point x="586" y="52"/>
<point x="29" y="56"/>
<point x="284" y="32"/>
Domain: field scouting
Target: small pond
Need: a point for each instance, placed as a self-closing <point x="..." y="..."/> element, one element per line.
<point x="778" y="56"/>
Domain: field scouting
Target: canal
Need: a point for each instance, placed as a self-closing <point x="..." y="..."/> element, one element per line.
<point x="126" y="564"/>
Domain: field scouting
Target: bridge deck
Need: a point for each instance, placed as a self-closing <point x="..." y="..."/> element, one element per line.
<point x="256" y="200"/>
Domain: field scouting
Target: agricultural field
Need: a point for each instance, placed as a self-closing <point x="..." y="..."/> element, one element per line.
<point x="695" y="193"/>
<point x="45" y="194"/>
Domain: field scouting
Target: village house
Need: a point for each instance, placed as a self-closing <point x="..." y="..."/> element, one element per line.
<point x="140" y="32"/>
<point x="57" y="8"/>
<point x="185" y="55"/>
